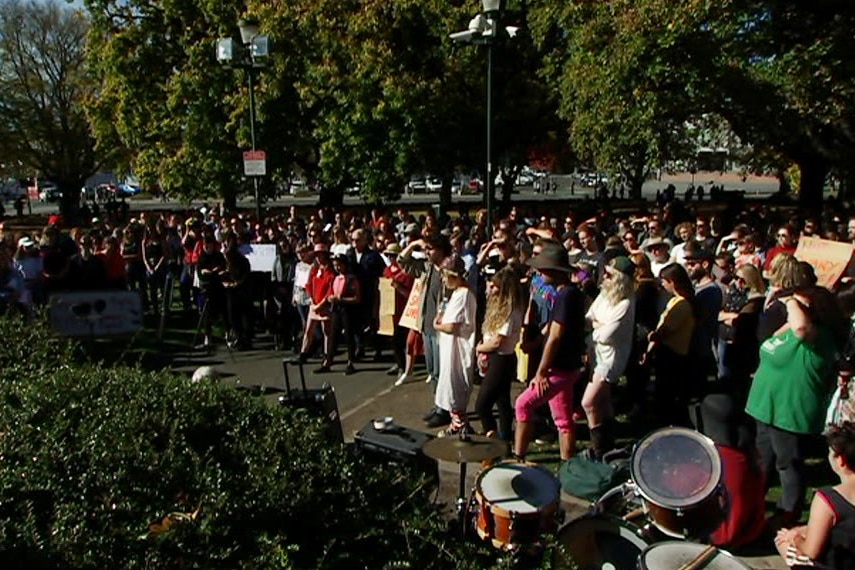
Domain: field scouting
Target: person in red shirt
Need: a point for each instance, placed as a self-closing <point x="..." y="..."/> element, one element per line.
<point x="722" y="421"/>
<point x="403" y="284"/>
<point x="320" y="289"/>
<point x="786" y="243"/>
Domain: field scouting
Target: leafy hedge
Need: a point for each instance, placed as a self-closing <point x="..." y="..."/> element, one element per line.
<point x="126" y="468"/>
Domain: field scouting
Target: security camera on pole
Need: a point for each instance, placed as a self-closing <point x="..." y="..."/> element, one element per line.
<point x="484" y="29"/>
<point x="249" y="56"/>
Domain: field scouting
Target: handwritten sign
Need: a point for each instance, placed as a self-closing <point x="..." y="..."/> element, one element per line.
<point x="412" y="311"/>
<point x="261" y="256"/>
<point x="95" y="313"/>
<point x="829" y="258"/>
<point x="387" y="307"/>
<point x="301" y="275"/>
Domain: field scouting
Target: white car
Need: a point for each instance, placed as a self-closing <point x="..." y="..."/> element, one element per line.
<point x="416" y="184"/>
<point x="434" y="184"/>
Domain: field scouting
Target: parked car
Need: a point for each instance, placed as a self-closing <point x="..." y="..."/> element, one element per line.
<point x="49" y="192"/>
<point x="434" y="184"/>
<point x="417" y="183"/>
<point x="125" y="189"/>
<point x="457" y="184"/>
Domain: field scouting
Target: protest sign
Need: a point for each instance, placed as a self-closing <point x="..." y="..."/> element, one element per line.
<point x="412" y="312"/>
<point x="261" y="256"/>
<point x="95" y="313"/>
<point x="387" y="307"/>
<point x="828" y="258"/>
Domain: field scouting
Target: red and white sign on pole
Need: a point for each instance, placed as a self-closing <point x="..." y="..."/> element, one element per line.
<point x="254" y="163"/>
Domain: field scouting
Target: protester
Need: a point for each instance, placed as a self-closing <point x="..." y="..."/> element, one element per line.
<point x="500" y="332"/>
<point x="455" y="323"/>
<point x="611" y="319"/>
<point x="561" y="363"/>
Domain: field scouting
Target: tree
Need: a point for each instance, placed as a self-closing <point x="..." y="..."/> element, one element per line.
<point x="44" y="83"/>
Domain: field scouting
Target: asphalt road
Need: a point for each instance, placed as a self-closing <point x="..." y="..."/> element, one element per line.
<point x="566" y="189"/>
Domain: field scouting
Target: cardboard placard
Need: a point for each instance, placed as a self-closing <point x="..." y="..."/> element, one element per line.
<point x="261" y="256"/>
<point x="95" y="313"/>
<point x="413" y="309"/>
<point x="387" y="307"/>
<point x="829" y="258"/>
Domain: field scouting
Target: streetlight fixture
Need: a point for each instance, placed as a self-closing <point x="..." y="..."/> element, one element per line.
<point x="483" y="29"/>
<point x="249" y="56"/>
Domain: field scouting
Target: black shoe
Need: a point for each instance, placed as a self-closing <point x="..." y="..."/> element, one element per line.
<point x="439" y="419"/>
<point x="431" y="413"/>
<point x="323" y="369"/>
<point x="349" y="370"/>
<point x="394" y="371"/>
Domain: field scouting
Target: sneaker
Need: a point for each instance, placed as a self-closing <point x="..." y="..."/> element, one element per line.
<point x="431" y="413"/>
<point x="439" y="419"/>
<point x="349" y="370"/>
<point x="429" y="379"/>
<point x="394" y="371"/>
<point x="458" y="431"/>
<point x="403" y="379"/>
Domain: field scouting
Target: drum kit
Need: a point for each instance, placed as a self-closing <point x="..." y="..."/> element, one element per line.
<point x="674" y="497"/>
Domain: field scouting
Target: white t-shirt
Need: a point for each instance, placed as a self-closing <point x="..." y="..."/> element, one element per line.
<point x="510" y="332"/>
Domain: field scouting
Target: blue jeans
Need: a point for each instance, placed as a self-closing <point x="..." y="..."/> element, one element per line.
<point x="432" y="356"/>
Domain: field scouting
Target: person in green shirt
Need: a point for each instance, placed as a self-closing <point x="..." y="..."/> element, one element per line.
<point x="789" y="396"/>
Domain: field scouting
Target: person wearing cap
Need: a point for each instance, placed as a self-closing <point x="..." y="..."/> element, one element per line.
<point x="707" y="305"/>
<point x="658" y="250"/>
<point x="455" y="325"/>
<point x="30" y="263"/>
<point x="319" y="288"/>
<point x="403" y="285"/>
<point x="561" y="363"/>
<point x="611" y="320"/>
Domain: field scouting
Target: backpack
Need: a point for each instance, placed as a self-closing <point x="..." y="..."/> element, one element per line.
<point x="590" y="479"/>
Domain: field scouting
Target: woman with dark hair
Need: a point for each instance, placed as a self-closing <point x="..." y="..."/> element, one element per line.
<point x="668" y="346"/>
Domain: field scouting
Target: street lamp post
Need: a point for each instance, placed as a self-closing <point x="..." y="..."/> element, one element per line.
<point x="254" y="47"/>
<point x="483" y="29"/>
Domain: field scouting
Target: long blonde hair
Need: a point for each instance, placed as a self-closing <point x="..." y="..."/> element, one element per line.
<point x="501" y="304"/>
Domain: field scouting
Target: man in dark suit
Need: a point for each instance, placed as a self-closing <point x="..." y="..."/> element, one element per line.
<point x="368" y="267"/>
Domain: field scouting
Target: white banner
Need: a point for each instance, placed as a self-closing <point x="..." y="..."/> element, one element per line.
<point x="95" y="313"/>
<point x="261" y="256"/>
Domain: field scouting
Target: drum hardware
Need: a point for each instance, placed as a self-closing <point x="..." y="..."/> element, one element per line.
<point x="462" y="450"/>
<point x="598" y="541"/>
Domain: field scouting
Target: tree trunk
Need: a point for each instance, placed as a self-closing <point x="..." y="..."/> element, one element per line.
<point x="445" y="195"/>
<point x="69" y="202"/>
<point x="813" y="173"/>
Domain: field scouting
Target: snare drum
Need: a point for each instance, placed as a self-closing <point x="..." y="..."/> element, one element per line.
<point x="599" y="542"/>
<point x="672" y="555"/>
<point x="517" y="502"/>
<point x="677" y="472"/>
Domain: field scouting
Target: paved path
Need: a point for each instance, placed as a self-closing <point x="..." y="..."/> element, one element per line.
<point x="367" y="395"/>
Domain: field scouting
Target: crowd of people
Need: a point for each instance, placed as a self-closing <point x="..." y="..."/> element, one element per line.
<point x="672" y="304"/>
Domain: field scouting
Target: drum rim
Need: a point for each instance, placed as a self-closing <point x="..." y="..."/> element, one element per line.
<point x="629" y="528"/>
<point x="683" y="543"/>
<point x="669" y="503"/>
<point x="527" y="464"/>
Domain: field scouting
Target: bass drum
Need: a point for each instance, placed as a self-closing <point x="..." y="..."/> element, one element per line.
<point x="677" y="472"/>
<point x="673" y="555"/>
<point x="598" y="542"/>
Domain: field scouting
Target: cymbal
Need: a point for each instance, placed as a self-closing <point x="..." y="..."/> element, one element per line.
<point x="474" y="448"/>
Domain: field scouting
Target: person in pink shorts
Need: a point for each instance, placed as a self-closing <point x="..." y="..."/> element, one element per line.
<point x="561" y="364"/>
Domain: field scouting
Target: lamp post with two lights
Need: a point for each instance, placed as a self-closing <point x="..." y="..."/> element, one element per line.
<point x="249" y="55"/>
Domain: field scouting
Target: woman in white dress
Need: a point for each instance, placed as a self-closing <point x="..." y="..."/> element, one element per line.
<point x="611" y="319"/>
<point x="455" y="324"/>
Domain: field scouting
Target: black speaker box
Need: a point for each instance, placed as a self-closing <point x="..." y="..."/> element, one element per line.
<point x="397" y="445"/>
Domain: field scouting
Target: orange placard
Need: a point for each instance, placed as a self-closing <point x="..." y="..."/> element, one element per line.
<point x="412" y="312"/>
<point x="829" y="258"/>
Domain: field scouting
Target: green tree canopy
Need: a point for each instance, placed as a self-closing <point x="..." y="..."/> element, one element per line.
<point x="44" y="83"/>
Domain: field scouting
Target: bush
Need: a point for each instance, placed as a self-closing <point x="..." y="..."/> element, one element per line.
<point x="125" y="468"/>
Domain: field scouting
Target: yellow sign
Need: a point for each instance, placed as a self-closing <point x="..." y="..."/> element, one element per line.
<point x="829" y="258"/>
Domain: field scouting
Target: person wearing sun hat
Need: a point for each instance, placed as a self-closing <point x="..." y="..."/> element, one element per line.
<point x="611" y="322"/>
<point x="659" y="252"/>
<point x="561" y="363"/>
